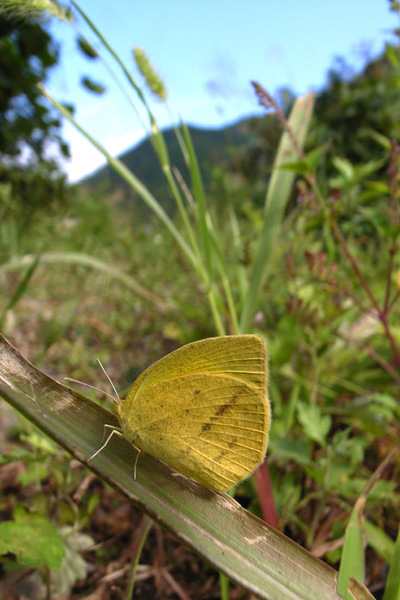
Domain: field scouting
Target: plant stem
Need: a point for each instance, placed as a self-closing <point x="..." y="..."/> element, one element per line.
<point x="355" y="266"/>
<point x="392" y="252"/>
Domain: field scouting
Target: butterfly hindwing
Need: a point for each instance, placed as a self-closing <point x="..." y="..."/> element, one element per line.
<point x="203" y="409"/>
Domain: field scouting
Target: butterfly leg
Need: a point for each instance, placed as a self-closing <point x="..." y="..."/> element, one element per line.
<point x="138" y="451"/>
<point x="114" y="430"/>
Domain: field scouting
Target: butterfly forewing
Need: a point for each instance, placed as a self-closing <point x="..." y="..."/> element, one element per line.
<point x="203" y="409"/>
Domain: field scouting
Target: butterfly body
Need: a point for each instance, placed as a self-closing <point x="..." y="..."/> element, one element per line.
<point x="203" y="409"/>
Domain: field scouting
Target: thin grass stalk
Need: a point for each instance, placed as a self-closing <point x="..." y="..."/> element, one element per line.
<point x="130" y="178"/>
<point x="166" y="167"/>
<point x="154" y="205"/>
<point x="225" y="283"/>
<point x="81" y="259"/>
<point x="208" y="236"/>
<point x="216" y="312"/>
<point x="156" y="138"/>
<point x="239" y="254"/>
<point x="198" y="194"/>
<point x="207" y="232"/>
<point x="148" y="523"/>
<point x="93" y="27"/>
<point x="182" y="144"/>
<point x="224" y="586"/>
<point x="160" y="147"/>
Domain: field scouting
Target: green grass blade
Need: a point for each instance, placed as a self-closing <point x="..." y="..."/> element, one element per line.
<point x="379" y="541"/>
<point x="352" y="561"/>
<point x="278" y="194"/>
<point x="156" y="137"/>
<point x="210" y="245"/>
<point x="198" y="194"/>
<point x="21" y="287"/>
<point x="130" y="178"/>
<point x="392" y="590"/>
<point x="237" y="243"/>
<point x="79" y="258"/>
<point x="236" y="542"/>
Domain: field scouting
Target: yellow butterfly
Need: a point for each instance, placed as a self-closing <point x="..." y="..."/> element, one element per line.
<point x="203" y="410"/>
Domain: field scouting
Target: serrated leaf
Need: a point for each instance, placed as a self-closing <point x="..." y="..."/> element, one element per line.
<point x="316" y="425"/>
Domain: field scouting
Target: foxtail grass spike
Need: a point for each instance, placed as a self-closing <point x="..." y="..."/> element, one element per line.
<point x="152" y="79"/>
<point x="37" y="10"/>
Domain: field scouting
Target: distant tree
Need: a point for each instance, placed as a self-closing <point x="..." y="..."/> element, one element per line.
<point x="27" y="52"/>
<point x="352" y="107"/>
<point x="27" y="126"/>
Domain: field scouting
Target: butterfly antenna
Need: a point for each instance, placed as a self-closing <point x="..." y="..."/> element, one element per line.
<point x="109" y="380"/>
<point x="89" y="386"/>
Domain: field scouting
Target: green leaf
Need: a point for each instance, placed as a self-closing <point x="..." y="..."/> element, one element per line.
<point x="352" y="563"/>
<point x="392" y="590"/>
<point x="92" y="86"/>
<point x="316" y="426"/>
<point x="299" y="451"/>
<point x="392" y="54"/>
<point x="88" y="50"/>
<point x="34" y="541"/>
<point x="344" y="167"/>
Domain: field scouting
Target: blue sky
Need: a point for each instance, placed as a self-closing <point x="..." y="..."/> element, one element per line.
<point x="207" y="52"/>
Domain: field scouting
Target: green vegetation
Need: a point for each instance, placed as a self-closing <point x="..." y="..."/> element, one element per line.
<point x="314" y="268"/>
<point x="27" y="127"/>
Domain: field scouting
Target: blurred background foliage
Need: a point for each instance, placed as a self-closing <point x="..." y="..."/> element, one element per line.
<point x="335" y="374"/>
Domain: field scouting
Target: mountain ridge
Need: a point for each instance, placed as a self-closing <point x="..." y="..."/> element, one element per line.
<point x="214" y="147"/>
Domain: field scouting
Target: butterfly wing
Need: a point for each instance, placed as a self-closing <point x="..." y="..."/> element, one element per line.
<point x="203" y="409"/>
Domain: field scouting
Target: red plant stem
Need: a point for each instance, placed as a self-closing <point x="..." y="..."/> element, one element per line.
<point x="265" y="495"/>
<point x="355" y="266"/>
<point x="382" y="315"/>
<point x="268" y="101"/>
<point x="394" y="300"/>
<point x="396" y="352"/>
<point x="355" y="301"/>
<point x="389" y="281"/>
<point x="373" y="354"/>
